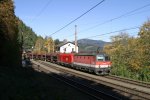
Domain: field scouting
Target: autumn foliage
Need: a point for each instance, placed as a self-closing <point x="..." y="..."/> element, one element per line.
<point x="10" y="54"/>
<point x="43" y="46"/>
<point x="131" y="56"/>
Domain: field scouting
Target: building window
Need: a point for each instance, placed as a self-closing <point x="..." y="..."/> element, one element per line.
<point x="64" y="49"/>
<point x="72" y="49"/>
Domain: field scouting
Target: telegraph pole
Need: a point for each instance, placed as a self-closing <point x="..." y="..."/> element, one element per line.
<point x="75" y="38"/>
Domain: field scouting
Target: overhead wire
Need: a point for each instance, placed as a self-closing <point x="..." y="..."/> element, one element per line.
<point x="131" y="28"/>
<point x="110" y="20"/>
<point x="77" y="17"/>
<point x="42" y="10"/>
<point x="123" y="15"/>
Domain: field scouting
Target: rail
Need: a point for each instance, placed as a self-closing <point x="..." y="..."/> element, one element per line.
<point x="135" y="93"/>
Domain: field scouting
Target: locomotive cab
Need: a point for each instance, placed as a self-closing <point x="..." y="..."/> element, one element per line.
<point x="103" y="58"/>
<point x="103" y="64"/>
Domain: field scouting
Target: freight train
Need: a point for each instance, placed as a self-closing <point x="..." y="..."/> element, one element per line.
<point x="98" y="63"/>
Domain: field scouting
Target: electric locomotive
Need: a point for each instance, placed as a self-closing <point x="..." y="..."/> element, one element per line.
<point x="98" y="63"/>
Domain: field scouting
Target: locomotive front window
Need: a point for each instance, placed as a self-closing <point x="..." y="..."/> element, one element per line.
<point x="100" y="58"/>
<point x="107" y="58"/>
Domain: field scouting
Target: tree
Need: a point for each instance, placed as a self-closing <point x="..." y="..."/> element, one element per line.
<point x="10" y="51"/>
<point x="119" y="51"/>
<point x="131" y="56"/>
<point x="144" y="44"/>
<point x="65" y="41"/>
<point x="49" y="44"/>
<point x="27" y="37"/>
<point x="144" y="51"/>
<point x="57" y="42"/>
<point x="39" y="45"/>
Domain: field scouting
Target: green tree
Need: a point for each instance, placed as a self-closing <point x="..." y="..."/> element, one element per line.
<point x="144" y="51"/>
<point x="26" y="36"/>
<point x="57" y="41"/>
<point x="144" y="43"/>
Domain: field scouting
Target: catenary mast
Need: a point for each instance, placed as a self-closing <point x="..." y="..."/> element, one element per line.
<point x="76" y="38"/>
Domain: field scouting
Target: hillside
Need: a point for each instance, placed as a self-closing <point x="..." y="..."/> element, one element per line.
<point x="27" y="37"/>
<point x="90" y="45"/>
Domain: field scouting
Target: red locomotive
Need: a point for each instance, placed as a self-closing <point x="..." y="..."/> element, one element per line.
<point x="98" y="63"/>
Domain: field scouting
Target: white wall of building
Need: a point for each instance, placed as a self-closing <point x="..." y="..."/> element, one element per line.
<point x="68" y="48"/>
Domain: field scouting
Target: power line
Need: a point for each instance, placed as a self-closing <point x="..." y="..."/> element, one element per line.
<point x="140" y="12"/>
<point x="113" y="32"/>
<point x="110" y="20"/>
<point x="78" y="17"/>
<point x="42" y="10"/>
<point x="123" y="15"/>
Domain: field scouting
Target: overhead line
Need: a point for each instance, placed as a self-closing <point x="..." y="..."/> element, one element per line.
<point x="110" y="20"/>
<point x="112" y="32"/>
<point x="42" y="10"/>
<point x="78" y="17"/>
<point x="130" y="14"/>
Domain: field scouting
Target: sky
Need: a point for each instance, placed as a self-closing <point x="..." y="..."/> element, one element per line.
<point x="47" y="17"/>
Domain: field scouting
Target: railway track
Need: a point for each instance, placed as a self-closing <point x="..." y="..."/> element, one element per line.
<point x="131" y="92"/>
<point x="98" y="95"/>
<point x="131" y="81"/>
<point x="94" y="93"/>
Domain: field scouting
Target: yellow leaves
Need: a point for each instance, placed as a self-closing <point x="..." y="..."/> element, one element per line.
<point x="7" y="20"/>
<point x="107" y="49"/>
<point x="135" y="52"/>
<point x="145" y="30"/>
<point x="49" y="44"/>
<point x="44" y="45"/>
<point x="135" y="64"/>
<point x="131" y="53"/>
<point x="125" y="51"/>
<point x="39" y="45"/>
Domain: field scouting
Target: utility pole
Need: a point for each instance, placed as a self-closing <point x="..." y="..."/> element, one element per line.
<point x="75" y="38"/>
